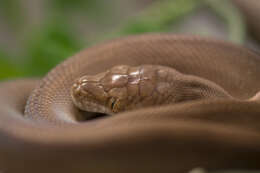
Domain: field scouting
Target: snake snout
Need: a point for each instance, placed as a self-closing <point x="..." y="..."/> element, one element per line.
<point x="89" y="95"/>
<point x="76" y="94"/>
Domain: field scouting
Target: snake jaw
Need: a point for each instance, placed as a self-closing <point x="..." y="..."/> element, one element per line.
<point x="85" y="104"/>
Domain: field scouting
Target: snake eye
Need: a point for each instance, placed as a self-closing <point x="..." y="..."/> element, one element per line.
<point x="112" y="103"/>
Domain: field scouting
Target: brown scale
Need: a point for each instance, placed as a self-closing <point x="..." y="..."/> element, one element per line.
<point x="125" y="88"/>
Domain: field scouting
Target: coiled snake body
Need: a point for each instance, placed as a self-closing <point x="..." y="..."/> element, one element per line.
<point x="210" y="119"/>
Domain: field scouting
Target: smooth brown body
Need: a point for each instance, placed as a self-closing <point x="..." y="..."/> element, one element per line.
<point x="52" y="135"/>
<point x="209" y="133"/>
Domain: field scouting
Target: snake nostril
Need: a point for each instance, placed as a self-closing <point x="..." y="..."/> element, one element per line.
<point x="76" y="89"/>
<point x="75" y="85"/>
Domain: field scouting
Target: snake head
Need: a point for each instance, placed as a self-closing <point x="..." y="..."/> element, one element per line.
<point x="104" y="93"/>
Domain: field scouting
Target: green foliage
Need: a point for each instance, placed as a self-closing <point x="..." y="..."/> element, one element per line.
<point x="159" y="16"/>
<point x="232" y="17"/>
<point x="49" y="46"/>
<point x="91" y="8"/>
<point x="11" y="9"/>
<point x="73" y="5"/>
<point x="56" y="40"/>
<point x="8" y="69"/>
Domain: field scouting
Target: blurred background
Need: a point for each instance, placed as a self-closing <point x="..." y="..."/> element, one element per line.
<point x="35" y="35"/>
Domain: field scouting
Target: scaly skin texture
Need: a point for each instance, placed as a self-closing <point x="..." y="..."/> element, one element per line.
<point x="125" y="88"/>
<point x="42" y="131"/>
<point x="49" y="134"/>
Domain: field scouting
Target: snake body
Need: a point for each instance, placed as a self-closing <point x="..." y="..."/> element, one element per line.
<point x="210" y="119"/>
<point x="53" y="136"/>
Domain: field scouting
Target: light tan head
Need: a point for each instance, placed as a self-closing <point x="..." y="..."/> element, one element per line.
<point x="125" y="88"/>
<point x="103" y="92"/>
